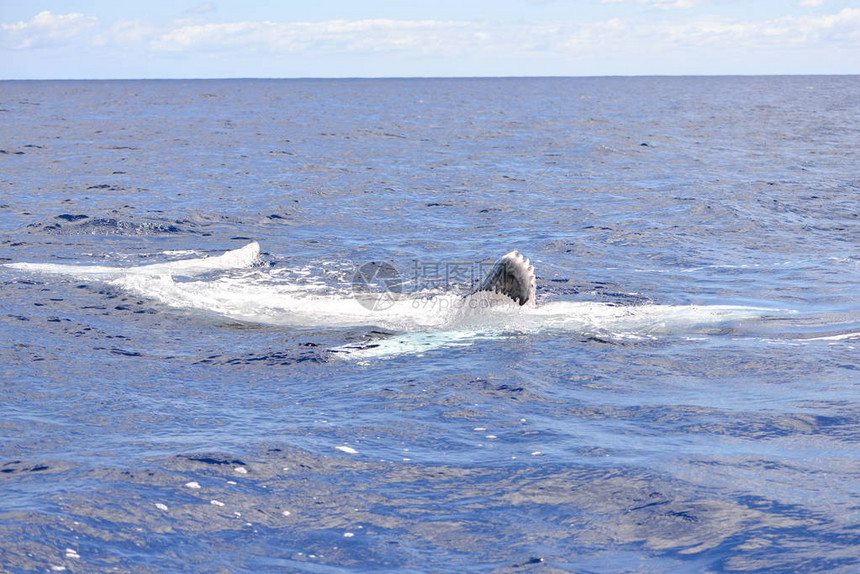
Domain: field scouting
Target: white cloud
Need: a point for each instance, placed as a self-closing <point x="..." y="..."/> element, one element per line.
<point x="47" y="29"/>
<point x="811" y="3"/>
<point x="443" y="38"/>
<point x="842" y="28"/>
<point x="125" y="33"/>
<point x="374" y="35"/>
<point x="429" y="36"/>
<point x="662" y="4"/>
<point x="685" y="38"/>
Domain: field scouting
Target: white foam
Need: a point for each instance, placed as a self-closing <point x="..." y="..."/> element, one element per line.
<point x="421" y="321"/>
<point x="842" y="337"/>
<point x="254" y="297"/>
<point x="640" y="320"/>
<point x="414" y="343"/>
<point x="237" y="258"/>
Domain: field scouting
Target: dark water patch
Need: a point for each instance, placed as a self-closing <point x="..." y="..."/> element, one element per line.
<point x="123" y="352"/>
<point x="302" y="353"/>
<point x="16" y="466"/>
<point x="364" y="340"/>
<point x="79" y="224"/>
<point x="71" y="218"/>
<point x="755" y="425"/>
<point x="512" y="391"/>
<point x="211" y="459"/>
<point x="610" y="342"/>
<point x="22" y="469"/>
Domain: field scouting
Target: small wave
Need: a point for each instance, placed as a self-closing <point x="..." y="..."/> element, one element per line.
<point x="839" y="337"/>
<point x="238" y="258"/>
<point x="79" y="224"/>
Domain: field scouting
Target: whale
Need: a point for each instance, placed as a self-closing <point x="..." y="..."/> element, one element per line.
<point x="513" y="276"/>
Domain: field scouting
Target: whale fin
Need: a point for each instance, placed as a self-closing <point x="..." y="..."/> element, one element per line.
<point x="512" y="275"/>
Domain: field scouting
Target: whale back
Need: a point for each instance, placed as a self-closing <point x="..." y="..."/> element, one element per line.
<point x="511" y="275"/>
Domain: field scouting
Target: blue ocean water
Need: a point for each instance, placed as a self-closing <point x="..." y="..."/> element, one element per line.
<point x="683" y="396"/>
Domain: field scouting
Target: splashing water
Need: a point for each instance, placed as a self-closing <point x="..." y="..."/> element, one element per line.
<point x="241" y="292"/>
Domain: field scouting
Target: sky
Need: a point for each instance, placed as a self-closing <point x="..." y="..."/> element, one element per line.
<point x="94" y="39"/>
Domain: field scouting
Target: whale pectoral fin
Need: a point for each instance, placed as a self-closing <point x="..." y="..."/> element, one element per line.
<point x="512" y="275"/>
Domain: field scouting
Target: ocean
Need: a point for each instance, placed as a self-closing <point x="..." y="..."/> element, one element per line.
<point x="238" y="336"/>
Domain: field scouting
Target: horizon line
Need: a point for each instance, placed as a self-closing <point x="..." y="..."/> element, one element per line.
<point x="466" y="77"/>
